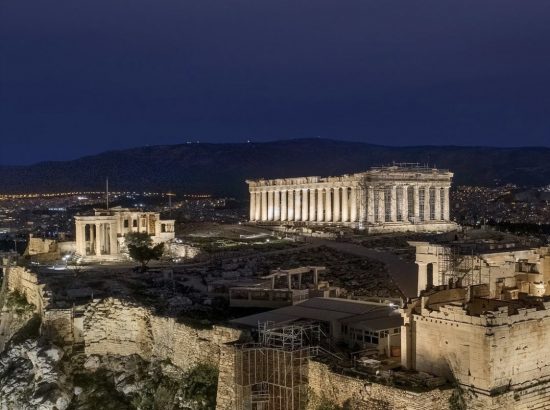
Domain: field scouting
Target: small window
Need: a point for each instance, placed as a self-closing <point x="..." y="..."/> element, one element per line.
<point x="126" y="223"/>
<point x="134" y="223"/>
<point x="163" y="227"/>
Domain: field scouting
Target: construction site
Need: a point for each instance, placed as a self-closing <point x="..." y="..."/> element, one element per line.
<point x="273" y="373"/>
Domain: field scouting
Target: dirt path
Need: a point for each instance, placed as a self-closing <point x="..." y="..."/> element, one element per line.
<point x="403" y="273"/>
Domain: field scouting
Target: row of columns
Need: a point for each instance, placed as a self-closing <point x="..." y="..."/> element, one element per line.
<point x="346" y="204"/>
<point x="102" y="236"/>
<point x="305" y="204"/>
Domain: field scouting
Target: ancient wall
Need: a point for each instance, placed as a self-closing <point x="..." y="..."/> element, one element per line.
<point x="24" y="281"/>
<point x="116" y="327"/>
<point x="442" y="345"/>
<point x="226" y="394"/>
<point x="38" y="246"/>
<point x="186" y="346"/>
<point x="361" y="394"/>
<point x="500" y="360"/>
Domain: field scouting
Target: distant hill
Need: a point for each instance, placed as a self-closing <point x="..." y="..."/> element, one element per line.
<point x="222" y="168"/>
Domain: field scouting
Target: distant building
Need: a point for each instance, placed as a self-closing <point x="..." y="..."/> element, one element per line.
<point x="283" y="288"/>
<point x="101" y="236"/>
<point x="399" y="198"/>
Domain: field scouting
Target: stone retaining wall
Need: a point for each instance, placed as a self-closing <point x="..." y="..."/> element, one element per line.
<point x="24" y="281"/>
<point x="361" y="394"/>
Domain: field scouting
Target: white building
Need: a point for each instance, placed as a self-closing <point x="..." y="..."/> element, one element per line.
<point x="101" y="235"/>
<point x="399" y="198"/>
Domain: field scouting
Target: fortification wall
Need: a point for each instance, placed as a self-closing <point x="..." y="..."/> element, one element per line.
<point x="226" y="394"/>
<point x="361" y="394"/>
<point x="24" y="281"/>
<point x="493" y="352"/>
<point x="115" y="327"/>
<point x="186" y="346"/>
<point x="451" y="349"/>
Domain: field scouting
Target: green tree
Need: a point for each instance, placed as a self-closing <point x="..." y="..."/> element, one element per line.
<point x="200" y="386"/>
<point x="141" y="248"/>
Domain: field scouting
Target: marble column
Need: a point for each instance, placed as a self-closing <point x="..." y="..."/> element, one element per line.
<point x="437" y="203"/>
<point x="446" y="207"/>
<point x="98" y="239"/>
<point x="252" y="206"/>
<point x="277" y="205"/>
<point x="353" y="204"/>
<point x="305" y="205"/>
<point x="422" y="277"/>
<point x="290" y="202"/>
<point x="427" y="203"/>
<point x="84" y="238"/>
<point x="264" y="205"/>
<point x="297" y="205"/>
<point x="336" y="207"/>
<point x="258" y="211"/>
<point x="362" y="205"/>
<point x="393" y="203"/>
<point x="371" y="217"/>
<point x="328" y="205"/>
<point x="284" y="209"/>
<point x="78" y="237"/>
<point x="405" y="204"/>
<point x="381" y="218"/>
<point x="113" y="245"/>
<point x="345" y="204"/>
<point x="91" y="228"/>
<point x="270" y="205"/>
<point x="416" y="193"/>
<point x="320" y="206"/>
<point x="312" y="204"/>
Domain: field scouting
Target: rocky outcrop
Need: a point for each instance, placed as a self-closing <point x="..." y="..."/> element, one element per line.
<point x="31" y="377"/>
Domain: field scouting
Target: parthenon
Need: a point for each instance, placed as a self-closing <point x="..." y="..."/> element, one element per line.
<point x="101" y="235"/>
<point x="397" y="198"/>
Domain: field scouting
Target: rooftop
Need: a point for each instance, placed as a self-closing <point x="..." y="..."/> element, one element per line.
<point x="366" y="314"/>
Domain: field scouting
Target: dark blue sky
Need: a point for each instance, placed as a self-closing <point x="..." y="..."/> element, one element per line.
<point x="84" y="76"/>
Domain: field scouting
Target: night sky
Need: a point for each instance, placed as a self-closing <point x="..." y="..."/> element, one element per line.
<point x="83" y="76"/>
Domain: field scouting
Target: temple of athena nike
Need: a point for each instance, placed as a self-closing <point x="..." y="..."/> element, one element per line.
<point x="101" y="236"/>
<point x="397" y="198"/>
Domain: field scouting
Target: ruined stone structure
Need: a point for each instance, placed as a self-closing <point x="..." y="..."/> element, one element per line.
<point x="100" y="236"/>
<point x="362" y="394"/>
<point x="495" y="350"/>
<point x="397" y="198"/>
<point x="505" y="268"/>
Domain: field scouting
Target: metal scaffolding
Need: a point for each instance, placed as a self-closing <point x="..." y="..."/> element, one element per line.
<point x="460" y="264"/>
<point x="273" y="374"/>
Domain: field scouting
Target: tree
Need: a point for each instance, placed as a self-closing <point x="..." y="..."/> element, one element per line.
<point x="141" y="248"/>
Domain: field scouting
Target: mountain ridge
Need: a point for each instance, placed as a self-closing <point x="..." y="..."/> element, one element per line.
<point x="221" y="169"/>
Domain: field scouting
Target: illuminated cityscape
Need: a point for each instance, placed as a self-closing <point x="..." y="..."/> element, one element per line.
<point x="274" y="205"/>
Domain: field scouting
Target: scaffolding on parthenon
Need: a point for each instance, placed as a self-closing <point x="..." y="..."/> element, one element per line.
<point x="273" y="374"/>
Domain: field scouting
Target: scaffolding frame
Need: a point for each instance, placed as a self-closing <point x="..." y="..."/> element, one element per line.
<point x="291" y="337"/>
<point x="459" y="264"/>
<point x="273" y="373"/>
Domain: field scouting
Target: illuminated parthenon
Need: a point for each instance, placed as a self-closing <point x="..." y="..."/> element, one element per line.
<point x="403" y="197"/>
